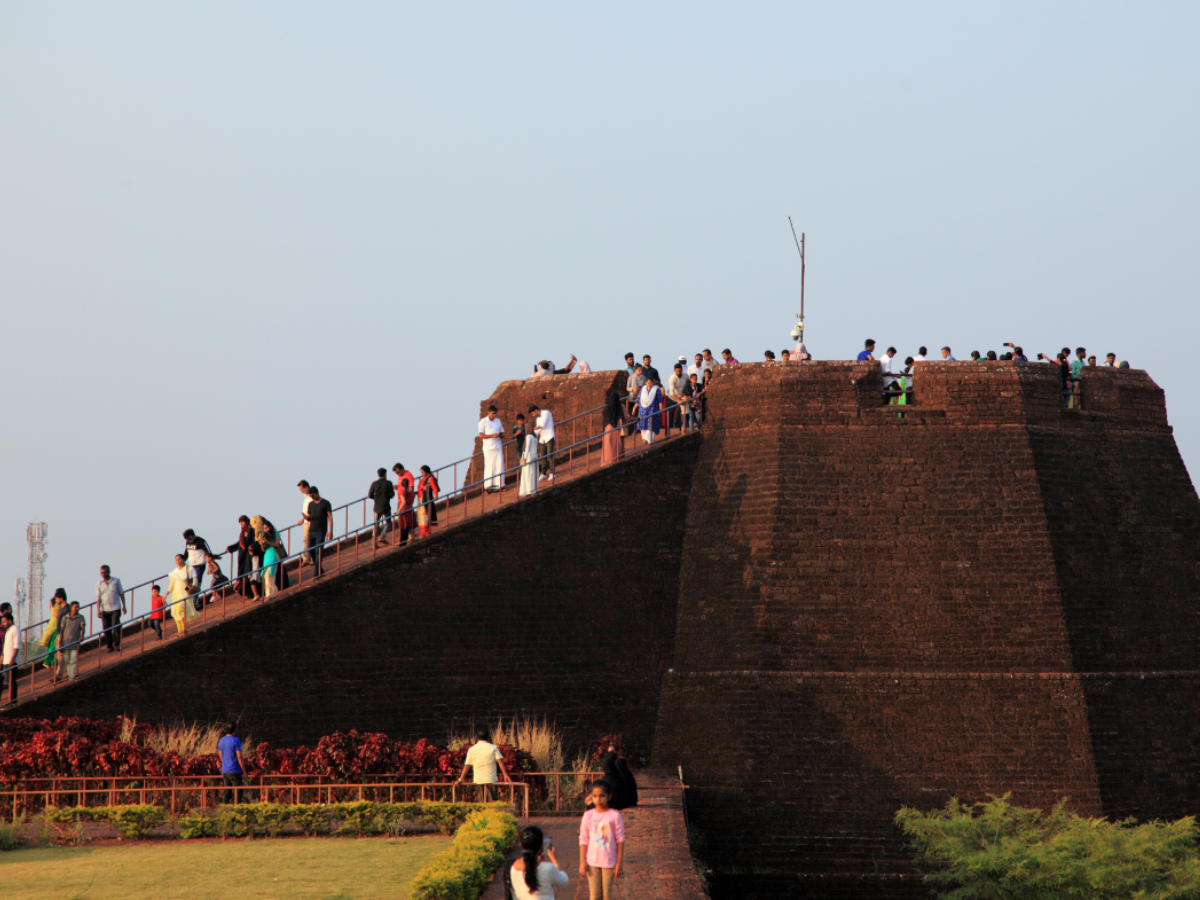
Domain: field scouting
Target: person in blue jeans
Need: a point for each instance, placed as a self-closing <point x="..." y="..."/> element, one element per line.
<point x="229" y="748"/>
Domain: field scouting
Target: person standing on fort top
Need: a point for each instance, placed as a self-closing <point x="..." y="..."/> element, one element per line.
<point x="12" y="644"/>
<point x="868" y="352"/>
<point x="649" y="406"/>
<point x="698" y="368"/>
<point x="484" y="760"/>
<point x="405" y="495"/>
<point x="675" y="395"/>
<point x="920" y="357"/>
<point x="110" y="599"/>
<point x="947" y="355"/>
<point x="197" y="551"/>
<point x="320" y="526"/>
<point x="302" y="486"/>
<point x="381" y="492"/>
<point x="233" y="768"/>
<point x="528" y="480"/>
<point x="491" y="434"/>
<point x="427" y="494"/>
<point x="242" y="547"/>
<point x="543" y="427"/>
<point x="728" y="357"/>
<point x="890" y="389"/>
<point x="1110" y="360"/>
<point x="648" y="370"/>
<point x="71" y="633"/>
<point x="181" y="607"/>
<point x="800" y="354"/>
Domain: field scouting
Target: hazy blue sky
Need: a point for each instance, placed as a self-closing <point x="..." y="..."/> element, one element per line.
<point x="242" y="244"/>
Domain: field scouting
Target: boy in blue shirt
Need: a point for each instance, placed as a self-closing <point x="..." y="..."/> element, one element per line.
<point x="229" y="748"/>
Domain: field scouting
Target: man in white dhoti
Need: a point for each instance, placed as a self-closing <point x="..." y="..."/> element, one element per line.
<point x="491" y="430"/>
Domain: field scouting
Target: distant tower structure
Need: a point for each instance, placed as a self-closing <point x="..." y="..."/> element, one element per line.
<point x="20" y="599"/>
<point x="37" y="534"/>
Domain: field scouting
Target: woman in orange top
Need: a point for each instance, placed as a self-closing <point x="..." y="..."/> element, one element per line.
<point x="427" y="492"/>
<point x="405" y="494"/>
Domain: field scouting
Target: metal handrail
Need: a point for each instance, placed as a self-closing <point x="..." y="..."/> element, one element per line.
<point x="180" y="784"/>
<point x="284" y="534"/>
<point x="444" y="501"/>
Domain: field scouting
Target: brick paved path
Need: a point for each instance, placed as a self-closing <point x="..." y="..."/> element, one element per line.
<point x="658" y="863"/>
<point x="348" y="553"/>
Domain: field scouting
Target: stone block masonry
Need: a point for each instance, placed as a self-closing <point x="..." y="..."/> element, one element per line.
<point x="562" y="606"/>
<point x="821" y="607"/>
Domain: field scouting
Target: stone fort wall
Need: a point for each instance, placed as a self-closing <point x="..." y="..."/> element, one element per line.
<point x="822" y="610"/>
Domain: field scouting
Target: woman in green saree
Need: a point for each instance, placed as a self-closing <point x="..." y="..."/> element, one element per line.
<point x="58" y="607"/>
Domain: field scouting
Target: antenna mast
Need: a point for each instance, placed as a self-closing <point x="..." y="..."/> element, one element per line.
<point x="36" y="534"/>
<point x="798" y="330"/>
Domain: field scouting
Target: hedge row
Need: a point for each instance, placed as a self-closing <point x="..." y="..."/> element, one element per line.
<point x="357" y="818"/>
<point x="135" y="820"/>
<point x="249" y="819"/>
<point x="460" y="872"/>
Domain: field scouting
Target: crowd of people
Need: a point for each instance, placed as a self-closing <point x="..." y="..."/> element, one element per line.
<point x="897" y="378"/>
<point x="647" y="406"/>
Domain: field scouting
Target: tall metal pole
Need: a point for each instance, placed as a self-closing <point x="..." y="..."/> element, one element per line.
<point x="800" y="247"/>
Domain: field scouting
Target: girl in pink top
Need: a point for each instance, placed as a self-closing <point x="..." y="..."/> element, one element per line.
<point x="601" y="844"/>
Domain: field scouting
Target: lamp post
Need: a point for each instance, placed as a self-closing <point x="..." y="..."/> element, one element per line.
<point x="798" y="328"/>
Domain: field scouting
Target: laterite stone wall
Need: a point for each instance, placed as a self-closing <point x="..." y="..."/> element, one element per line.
<point x="562" y="606"/>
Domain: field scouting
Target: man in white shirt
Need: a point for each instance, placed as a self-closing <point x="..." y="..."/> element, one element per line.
<point x="675" y="394"/>
<point x="889" y="380"/>
<point x="491" y="430"/>
<point x="698" y="368"/>
<point x="544" y="429"/>
<point x="110" y="599"/>
<point x="9" y="659"/>
<point x="920" y="357"/>
<point x="303" y="487"/>
<point x="484" y="759"/>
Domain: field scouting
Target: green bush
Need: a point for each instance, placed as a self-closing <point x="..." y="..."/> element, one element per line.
<point x="272" y="817"/>
<point x="134" y="820"/>
<point x="198" y="825"/>
<point x="997" y="850"/>
<point x="309" y="817"/>
<point x="10" y="833"/>
<point x="357" y="818"/>
<point x="238" y="821"/>
<point x="460" y="872"/>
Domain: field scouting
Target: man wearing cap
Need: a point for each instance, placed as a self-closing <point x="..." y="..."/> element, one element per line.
<point x="675" y="395"/>
<point x="381" y="492"/>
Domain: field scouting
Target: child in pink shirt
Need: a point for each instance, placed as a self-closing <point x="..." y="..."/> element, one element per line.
<point x="601" y="844"/>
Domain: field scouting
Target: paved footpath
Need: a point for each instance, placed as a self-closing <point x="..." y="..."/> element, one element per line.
<point x="658" y="863"/>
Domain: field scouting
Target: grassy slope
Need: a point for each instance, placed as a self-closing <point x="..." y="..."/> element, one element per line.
<point x="300" y="868"/>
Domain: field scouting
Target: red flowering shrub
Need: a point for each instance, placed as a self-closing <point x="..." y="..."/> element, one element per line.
<point x="601" y="744"/>
<point x="65" y="747"/>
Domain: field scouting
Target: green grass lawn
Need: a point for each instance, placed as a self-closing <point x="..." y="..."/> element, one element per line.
<point x="293" y="868"/>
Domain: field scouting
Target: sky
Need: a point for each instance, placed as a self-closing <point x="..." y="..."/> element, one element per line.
<point x="244" y="244"/>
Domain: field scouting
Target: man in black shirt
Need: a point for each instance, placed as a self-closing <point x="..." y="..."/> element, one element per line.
<point x="320" y="526"/>
<point x="648" y="370"/>
<point x="381" y="492"/>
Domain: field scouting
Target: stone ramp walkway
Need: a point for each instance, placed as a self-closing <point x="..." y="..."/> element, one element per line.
<point x="349" y="553"/>
<point x="658" y="863"/>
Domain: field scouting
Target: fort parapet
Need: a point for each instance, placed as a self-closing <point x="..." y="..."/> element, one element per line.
<point x="823" y="608"/>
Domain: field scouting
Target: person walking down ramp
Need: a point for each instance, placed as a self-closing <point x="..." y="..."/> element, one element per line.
<point x="491" y="433"/>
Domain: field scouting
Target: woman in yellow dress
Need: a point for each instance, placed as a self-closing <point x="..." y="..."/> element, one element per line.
<point x="58" y="606"/>
<point x="181" y="607"/>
